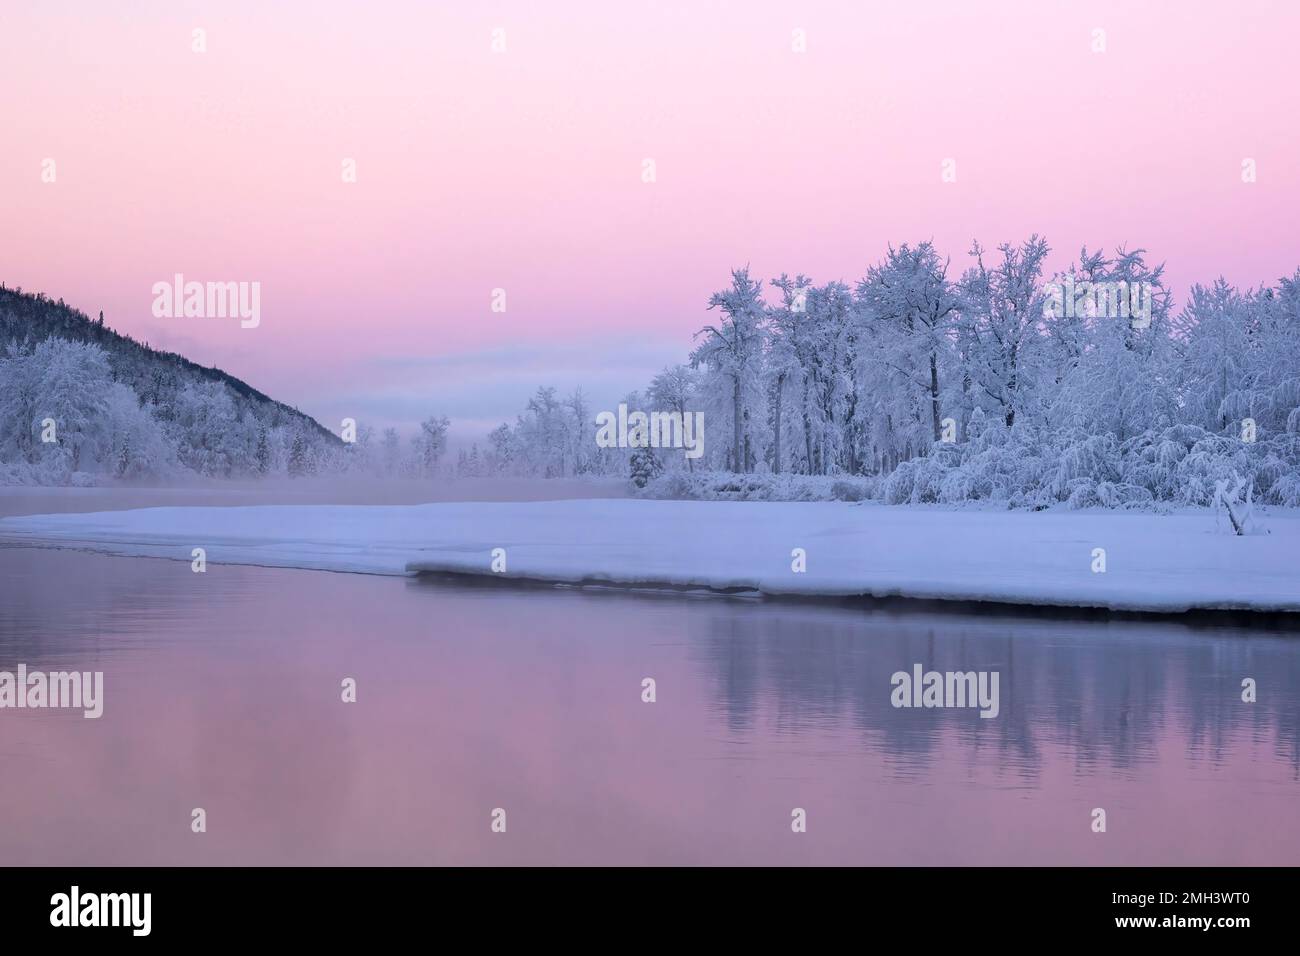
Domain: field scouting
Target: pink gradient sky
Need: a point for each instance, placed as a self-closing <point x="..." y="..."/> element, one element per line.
<point x="522" y="170"/>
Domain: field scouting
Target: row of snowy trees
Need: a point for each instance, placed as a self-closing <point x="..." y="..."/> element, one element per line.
<point x="831" y="379"/>
<point x="389" y="457"/>
<point x="556" y="437"/>
<point x="946" y="386"/>
<point x="553" y="438"/>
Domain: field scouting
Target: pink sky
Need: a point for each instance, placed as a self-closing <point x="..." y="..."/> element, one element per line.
<point x="522" y="170"/>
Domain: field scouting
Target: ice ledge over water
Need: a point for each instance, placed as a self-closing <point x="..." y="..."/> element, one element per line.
<point x="1164" y="563"/>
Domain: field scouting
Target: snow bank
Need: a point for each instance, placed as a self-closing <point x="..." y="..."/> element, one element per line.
<point x="1153" y="562"/>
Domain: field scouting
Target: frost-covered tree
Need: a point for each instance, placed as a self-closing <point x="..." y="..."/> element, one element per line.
<point x="1107" y="373"/>
<point x="213" y="434"/>
<point x="137" y="445"/>
<point x="674" y="390"/>
<point x="430" y="444"/>
<point x="61" y="382"/>
<point x="543" y="434"/>
<point x="789" y="357"/>
<point x="909" y="309"/>
<point x="732" y="354"/>
<point x="1001" y="312"/>
<point x="298" y="464"/>
<point x="828" y="400"/>
<point x="262" y="456"/>
<point x="579" y="439"/>
<point x="503" y="450"/>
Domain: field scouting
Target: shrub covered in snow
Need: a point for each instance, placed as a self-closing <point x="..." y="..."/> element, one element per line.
<point x="1026" y="467"/>
<point x="726" y="486"/>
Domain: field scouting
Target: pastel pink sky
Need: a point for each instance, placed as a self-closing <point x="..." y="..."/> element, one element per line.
<point x="522" y="170"/>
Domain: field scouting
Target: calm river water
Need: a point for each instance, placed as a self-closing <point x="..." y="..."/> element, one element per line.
<point x="222" y="691"/>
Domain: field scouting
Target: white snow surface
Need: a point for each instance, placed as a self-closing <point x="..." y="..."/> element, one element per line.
<point x="1166" y="563"/>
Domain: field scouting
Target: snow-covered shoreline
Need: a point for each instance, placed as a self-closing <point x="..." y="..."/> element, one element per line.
<point x="1154" y="563"/>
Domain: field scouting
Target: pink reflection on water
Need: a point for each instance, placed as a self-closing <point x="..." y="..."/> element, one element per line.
<point x="223" y="692"/>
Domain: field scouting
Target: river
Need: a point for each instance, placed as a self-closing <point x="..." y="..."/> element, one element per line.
<point x="222" y="691"/>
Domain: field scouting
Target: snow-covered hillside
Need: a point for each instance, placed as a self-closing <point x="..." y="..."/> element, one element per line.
<point x="81" y="403"/>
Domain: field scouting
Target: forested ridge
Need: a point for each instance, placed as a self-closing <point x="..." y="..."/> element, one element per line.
<point x="123" y="409"/>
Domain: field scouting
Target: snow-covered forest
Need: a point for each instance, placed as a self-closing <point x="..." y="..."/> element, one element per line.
<point x="80" y="403"/>
<point x="923" y="382"/>
<point x="919" y="382"/>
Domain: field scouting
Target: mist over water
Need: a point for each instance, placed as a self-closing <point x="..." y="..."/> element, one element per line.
<point x="222" y="691"/>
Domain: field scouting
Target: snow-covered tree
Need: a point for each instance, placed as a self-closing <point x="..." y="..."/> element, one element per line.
<point x="137" y="446"/>
<point x="909" y="308"/>
<point x="298" y="464"/>
<point x="59" y="382"/>
<point x="732" y="354"/>
<point x="213" y="434"/>
<point x="1001" y="313"/>
<point x="789" y="351"/>
<point x="430" y="444"/>
<point x="674" y="390"/>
